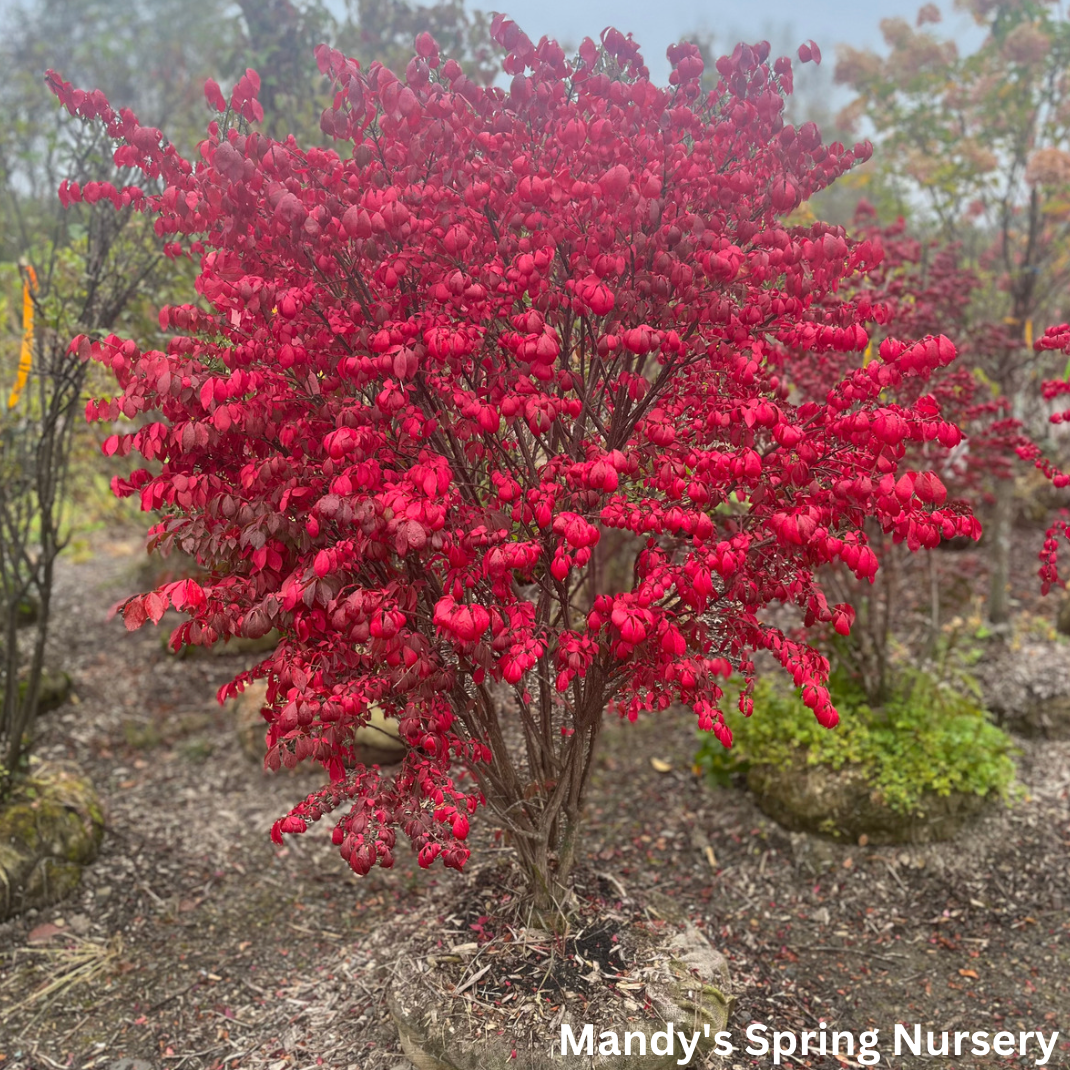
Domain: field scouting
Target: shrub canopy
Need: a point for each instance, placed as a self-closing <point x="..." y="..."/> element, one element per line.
<point x="483" y="412"/>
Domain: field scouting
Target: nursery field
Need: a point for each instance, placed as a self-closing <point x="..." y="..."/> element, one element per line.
<point x="497" y="394"/>
<point x="195" y="942"/>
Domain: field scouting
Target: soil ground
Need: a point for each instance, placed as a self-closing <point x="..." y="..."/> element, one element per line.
<point x="195" y="943"/>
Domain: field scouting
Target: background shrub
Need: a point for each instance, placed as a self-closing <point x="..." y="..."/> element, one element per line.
<point x="928" y="736"/>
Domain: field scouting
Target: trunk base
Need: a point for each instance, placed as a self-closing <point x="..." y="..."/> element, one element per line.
<point x="510" y="999"/>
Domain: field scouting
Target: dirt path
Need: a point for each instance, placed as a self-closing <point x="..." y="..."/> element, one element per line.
<point x="205" y="946"/>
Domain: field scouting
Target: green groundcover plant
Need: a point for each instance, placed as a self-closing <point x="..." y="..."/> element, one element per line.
<point x="928" y="737"/>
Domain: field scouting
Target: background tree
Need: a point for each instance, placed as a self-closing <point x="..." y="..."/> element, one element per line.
<point x="92" y="267"/>
<point x="915" y="288"/>
<point x="83" y="282"/>
<point x="150" y="55"/>
<point x="978" y="144"/>
<point x="384" y="32"/>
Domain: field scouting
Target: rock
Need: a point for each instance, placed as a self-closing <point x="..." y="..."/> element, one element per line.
<point x="686" y="986"/>
<point x="50" y="828"/>
<point x="55" y="690"/>
<point x="41" y="934"/>
<point x="1062" y="618"/>
<point x="840" y="803"/>
<point x="692" y="989"/>
<point x="154" y="569"/>
<point x="141" y="735"/>
<point x="27" y="611"/>
<point x="377" y="743"/>
<point x="1036" y="500"/>
<point x="1028" y="688"/>
<point x="239" y="644"/>
<point x="1046" y="718"/>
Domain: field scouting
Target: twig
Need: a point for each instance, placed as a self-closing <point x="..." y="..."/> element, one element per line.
<point x="472" y="980"/>
<point x="77" y="1025"/>
<point x="263" y="992"/>
<point x="90" y="960"/>
<point x="241" y="1055"/>
<point x="895" y="876"/>
<point x="234" y="1021"/>
<point x="174" y="995"/>
<point x="192" y="1055"/>
<point x="40" y="1055"/>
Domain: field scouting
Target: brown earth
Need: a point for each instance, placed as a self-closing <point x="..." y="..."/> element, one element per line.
<point x="195" y="943"/>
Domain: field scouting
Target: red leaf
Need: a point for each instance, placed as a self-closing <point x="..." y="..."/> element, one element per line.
<point x="134" y="614"/>
<point x="155" y="606"/>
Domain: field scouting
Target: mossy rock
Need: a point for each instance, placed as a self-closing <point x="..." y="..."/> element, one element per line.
<point x="377" y="743"/>
<point x="140" y="735"/>
<point x="1036" y="500"/>
<point x="50" y="828"/>
<point x="842" y="804"/>
<point x="26" y="612"/>
<point x="54" y="691"/>
<point x="249" y="723"/>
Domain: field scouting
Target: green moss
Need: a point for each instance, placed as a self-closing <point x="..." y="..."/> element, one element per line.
<point x="926" y="738"/>
<point x="53" y="880"/>
<point x="18" y="824"/>
<point x="26" y="611"/>
<point x="54" y="690"/>
<point x="141" y="735"/>
<point x="197" y="750"/>
<point x="49" y="830"/>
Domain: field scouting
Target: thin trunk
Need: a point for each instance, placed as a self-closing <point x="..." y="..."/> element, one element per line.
<point x="999" y="554"/>
<point x="934" y="604"/>
<point x="549" y="853"/>
<point x="886" y="598"/>
<point x="9" y="713"/>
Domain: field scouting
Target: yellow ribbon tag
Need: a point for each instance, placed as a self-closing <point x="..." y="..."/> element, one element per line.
<point x="26" y="353"/>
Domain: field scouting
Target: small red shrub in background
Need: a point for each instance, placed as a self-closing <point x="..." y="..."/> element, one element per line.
<point x="1055" y="338"/>
<point x="435" y="366"/>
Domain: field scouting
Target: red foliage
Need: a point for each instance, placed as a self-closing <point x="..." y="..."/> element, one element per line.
<point x="1054" y="338"/>
<point x="914" y="290"/>
<point x="439" y="366"/>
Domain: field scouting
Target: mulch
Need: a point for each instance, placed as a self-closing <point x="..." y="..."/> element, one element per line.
<point x="202" y="945"/>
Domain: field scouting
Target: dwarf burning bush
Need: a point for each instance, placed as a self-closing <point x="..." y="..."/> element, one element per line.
<point x="435" y="367"/>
